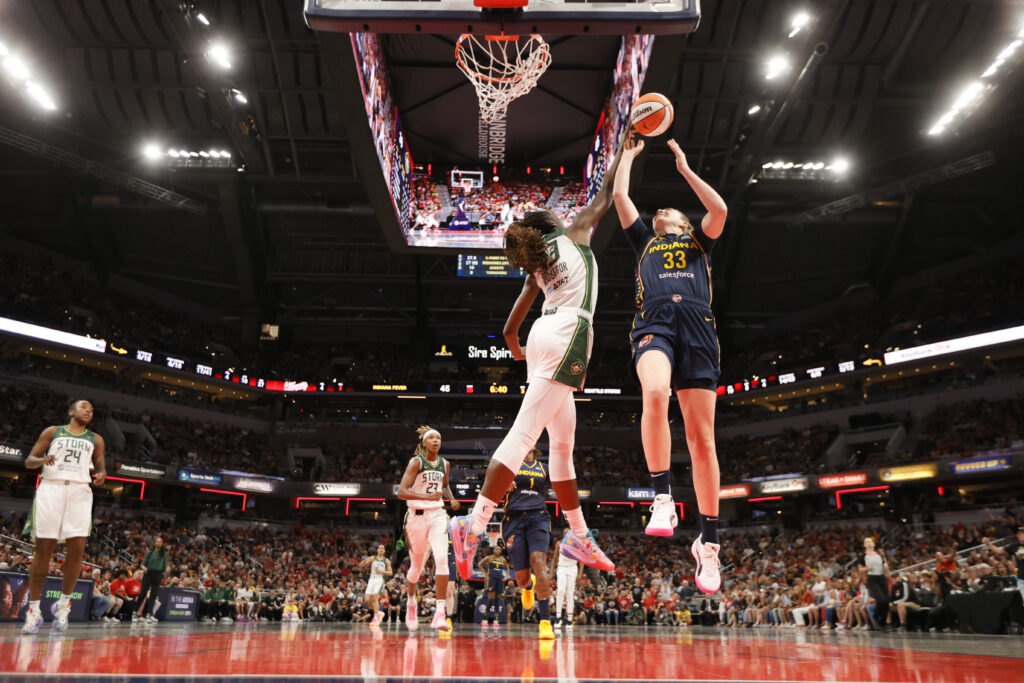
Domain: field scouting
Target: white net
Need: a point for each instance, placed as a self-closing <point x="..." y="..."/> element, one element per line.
<point x="501" y="68"/>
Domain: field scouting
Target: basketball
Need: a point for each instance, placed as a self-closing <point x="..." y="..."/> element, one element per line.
<point x="652" y="114"/>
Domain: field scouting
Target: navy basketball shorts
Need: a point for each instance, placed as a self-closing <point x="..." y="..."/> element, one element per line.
<point x="685" y="332"/>
<point x="495" y="583"/>
<point x="526" y="534"/>
<point x="453" y="573"/>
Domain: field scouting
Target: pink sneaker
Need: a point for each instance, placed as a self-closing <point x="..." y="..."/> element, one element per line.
<point x="377" y="618"/>
<point x="464" y="544"/>
<point x="707" y="577"/>
<point x="440" y="620"/>
<point x="585" y="550"/>
<point x="412" y="621"/>
<point x="485" y="624"/>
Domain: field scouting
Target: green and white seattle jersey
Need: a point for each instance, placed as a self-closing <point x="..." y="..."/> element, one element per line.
<point x="570" y="278"/>
<point x="73" y="453"/>
<point x="430" y="479"/>
<point x="378" y="567"/>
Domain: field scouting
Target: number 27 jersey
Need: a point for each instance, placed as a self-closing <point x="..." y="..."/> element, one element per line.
<point x="430" y="479"/>
<point x="73" y="453"/>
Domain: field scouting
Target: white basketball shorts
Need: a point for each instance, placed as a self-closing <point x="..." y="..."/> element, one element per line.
<point x="61" y="510"/>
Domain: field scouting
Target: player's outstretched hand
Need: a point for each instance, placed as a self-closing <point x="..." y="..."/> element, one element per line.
<point x="681" y="164"/>
<point x="632" y="148"/>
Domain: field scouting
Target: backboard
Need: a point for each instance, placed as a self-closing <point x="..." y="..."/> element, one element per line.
<point x="538" y="16"/>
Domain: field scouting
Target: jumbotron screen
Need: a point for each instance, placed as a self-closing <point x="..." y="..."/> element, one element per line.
<point x="471" y="207"/>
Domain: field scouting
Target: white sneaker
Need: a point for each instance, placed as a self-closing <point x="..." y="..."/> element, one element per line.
<point x="33" y="618"/>
<point x="60" y="617"/>
<point x="707" y="577"/>
<point x="440" y="621"/>
<point x="568" y="627"/>
<point x="412" y="622"/>
<point x="151" y="619"/>
<point x="556" y="624"/>
<point x="225" y="620"/>
<point x="663" y="516"/>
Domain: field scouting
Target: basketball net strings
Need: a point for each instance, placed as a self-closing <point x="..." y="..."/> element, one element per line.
<point x="504" y="70"/>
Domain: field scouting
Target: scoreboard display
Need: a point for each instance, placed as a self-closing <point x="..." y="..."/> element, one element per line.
<point x="483" y="265"/>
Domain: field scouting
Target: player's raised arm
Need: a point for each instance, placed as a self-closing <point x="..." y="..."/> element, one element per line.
<point x="37" y="457"/>
<point x="714" y="221"/>
<point x="579" y="230"/>
<point x="624" y="206"/>
<point x="515" y="320"/>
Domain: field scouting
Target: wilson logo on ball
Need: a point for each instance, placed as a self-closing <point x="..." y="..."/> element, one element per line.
<point x="652" y="114"/>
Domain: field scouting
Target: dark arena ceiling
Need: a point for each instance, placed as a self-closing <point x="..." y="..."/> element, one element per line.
<point x="284" y="231"/>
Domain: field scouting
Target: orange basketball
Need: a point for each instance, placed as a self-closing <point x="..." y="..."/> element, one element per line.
<point x="652" y="114"/>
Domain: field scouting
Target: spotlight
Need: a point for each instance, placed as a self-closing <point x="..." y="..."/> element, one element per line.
<point x="41" y="97"/>
<point x="239" y="96"/>
<point x="173" y="153"/>
<point x="799" y="22"/>
<point x="788" y="165"/>
<point x="840" y="166"/>
<point x="17" y="68"/>
<point x="937" y="129"/>
<point x="777" y="65"/>
<point x="204" y="154"/>
<point x="219" y="55"/>
<point x="753" y="110"/>
<point x="3" y="50"/>
<point x="766" y="165"/>
<point x="968" y="95"/>
<point x="778" y="164"/>
<point x="225" y="154"/>
<point x="150" y="151"/>
<point x="202" y="19"/>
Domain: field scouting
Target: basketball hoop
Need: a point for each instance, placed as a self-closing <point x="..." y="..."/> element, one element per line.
<point x="492" y="537"/>
<point x="467" y="185"/>
<point x="501" y="68"/>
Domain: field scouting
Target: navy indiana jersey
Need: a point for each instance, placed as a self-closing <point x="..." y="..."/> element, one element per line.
<point x="670" y="265"/>
<point x="496" y="567"/>
<point x="531" y="486"/>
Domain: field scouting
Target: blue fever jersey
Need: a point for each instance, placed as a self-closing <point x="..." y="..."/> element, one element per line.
<point x="531" y="486"/>
<point x="671" y="264"/>
<point x="496" y="567"/>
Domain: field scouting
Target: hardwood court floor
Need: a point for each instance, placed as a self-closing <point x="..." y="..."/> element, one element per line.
<point x="298" y="650"/>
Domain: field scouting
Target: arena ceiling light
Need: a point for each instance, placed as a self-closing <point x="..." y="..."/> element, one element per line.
<point x="190" y="158"/>
<point x="219" y="54"/>
<point x="753" y="110"/>
<point x="41" y="97"/>
<point x="201" y="18"/>
<point x="16" y="67"/>
<point x="799" y="22"/>
<point x="776" y="65"/>
<point x="804" y="170"/>
<point x="974" y="93"/>
<point x="239" y="96"/>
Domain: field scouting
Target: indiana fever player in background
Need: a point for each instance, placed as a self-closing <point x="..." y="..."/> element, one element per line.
<point x="557" y="260"/>
<point x="526" y="529"/>
<point x="62" y="509"/>
<point x="426" y="523"/>
<point x="495" y="569"/>
<point x="675" y="345"/>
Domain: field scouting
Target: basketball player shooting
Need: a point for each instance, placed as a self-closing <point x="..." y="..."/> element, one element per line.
<point x="675" y="346"/>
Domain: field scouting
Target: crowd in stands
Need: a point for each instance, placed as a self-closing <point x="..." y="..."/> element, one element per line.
<point x="972" y="427"/>
<point x="977" y="299"/>
<point x="771" y="577"/>
<point x="798" y="452"/>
